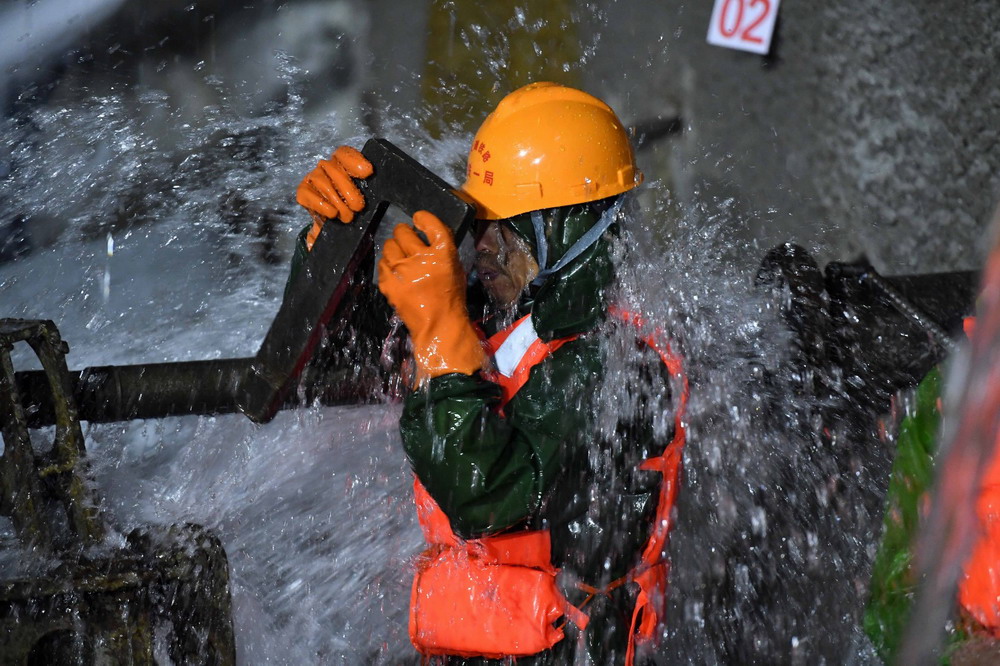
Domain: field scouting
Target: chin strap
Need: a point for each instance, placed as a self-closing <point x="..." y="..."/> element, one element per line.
<point x="593" y="234"/>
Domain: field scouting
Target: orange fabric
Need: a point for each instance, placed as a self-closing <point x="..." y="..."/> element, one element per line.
<point x="530" y="548"/>
<point x="425" y="283"/>
<point x="433" y="521"/>
<point x="651" y="576"/>
<point x="979" y="589"/>
<point x="968" y="326"/>
<point x="492" y="597"/>
<point x="535" y="354"/>
<point x="464" y="604"/>
<point x="496" y="596"/>
<point x="648" y="611"/>
<point x="979" y="586"/>
<point x="669" y="462"/>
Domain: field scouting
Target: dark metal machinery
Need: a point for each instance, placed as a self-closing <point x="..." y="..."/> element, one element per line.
<point x="78" y="600"/>
<point x="888" y="332"/>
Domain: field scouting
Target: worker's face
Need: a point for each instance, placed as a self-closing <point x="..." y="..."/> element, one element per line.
<point x="503" y="261"/>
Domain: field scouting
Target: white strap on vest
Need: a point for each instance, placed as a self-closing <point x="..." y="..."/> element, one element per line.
<point x="510" y="353"/>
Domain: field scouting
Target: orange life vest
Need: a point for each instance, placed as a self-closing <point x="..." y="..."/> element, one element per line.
<point x="979" y="585"/>
<point x="496" y="596"/>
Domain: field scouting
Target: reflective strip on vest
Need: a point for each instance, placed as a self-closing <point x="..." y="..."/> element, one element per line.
<point x="509" y="353"/>
<point x="519" y="349"/>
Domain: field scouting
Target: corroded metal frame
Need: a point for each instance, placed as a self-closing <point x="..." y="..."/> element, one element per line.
<point x="83" y="600"/>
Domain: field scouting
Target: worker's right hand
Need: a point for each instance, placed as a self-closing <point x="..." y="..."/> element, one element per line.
<point x="329" y="192"/>
<point x="423" y="280"/>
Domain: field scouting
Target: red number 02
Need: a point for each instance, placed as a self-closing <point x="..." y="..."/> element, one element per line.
<point x="747" y="35"/>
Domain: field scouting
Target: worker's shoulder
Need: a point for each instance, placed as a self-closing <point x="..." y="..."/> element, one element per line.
<point x="568" y="360"/>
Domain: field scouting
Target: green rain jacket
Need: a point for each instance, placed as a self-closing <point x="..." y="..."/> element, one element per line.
<point x="543" y="464"/>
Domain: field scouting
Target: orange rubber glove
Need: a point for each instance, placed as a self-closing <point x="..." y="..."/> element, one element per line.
<point x="328" y="191"/>
<point x="425" y="283"/>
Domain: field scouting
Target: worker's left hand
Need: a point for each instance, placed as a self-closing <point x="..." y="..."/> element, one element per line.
<point x="329" y="192"/>
<point x="425" y="283"/>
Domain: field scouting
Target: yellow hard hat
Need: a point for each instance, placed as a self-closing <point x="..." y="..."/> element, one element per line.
<point x="545" y="146"/>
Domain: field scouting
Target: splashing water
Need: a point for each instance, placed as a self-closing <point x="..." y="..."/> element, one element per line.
<point x="780" y="506"/>
<point x="776" y="523"/>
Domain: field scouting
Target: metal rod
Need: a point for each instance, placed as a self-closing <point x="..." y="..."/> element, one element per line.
<point x="123" y="392"/>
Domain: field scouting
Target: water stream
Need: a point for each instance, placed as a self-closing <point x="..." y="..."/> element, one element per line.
<point x="174" y="245"/>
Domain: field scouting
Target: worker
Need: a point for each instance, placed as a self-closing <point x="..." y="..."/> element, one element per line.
<point x="546" y="508"/>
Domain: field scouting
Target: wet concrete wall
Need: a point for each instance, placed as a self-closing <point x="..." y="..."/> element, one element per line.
<point x="871" y="128"/>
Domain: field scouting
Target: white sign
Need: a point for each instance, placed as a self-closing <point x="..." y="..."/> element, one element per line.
<point x="746" y="25"/>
